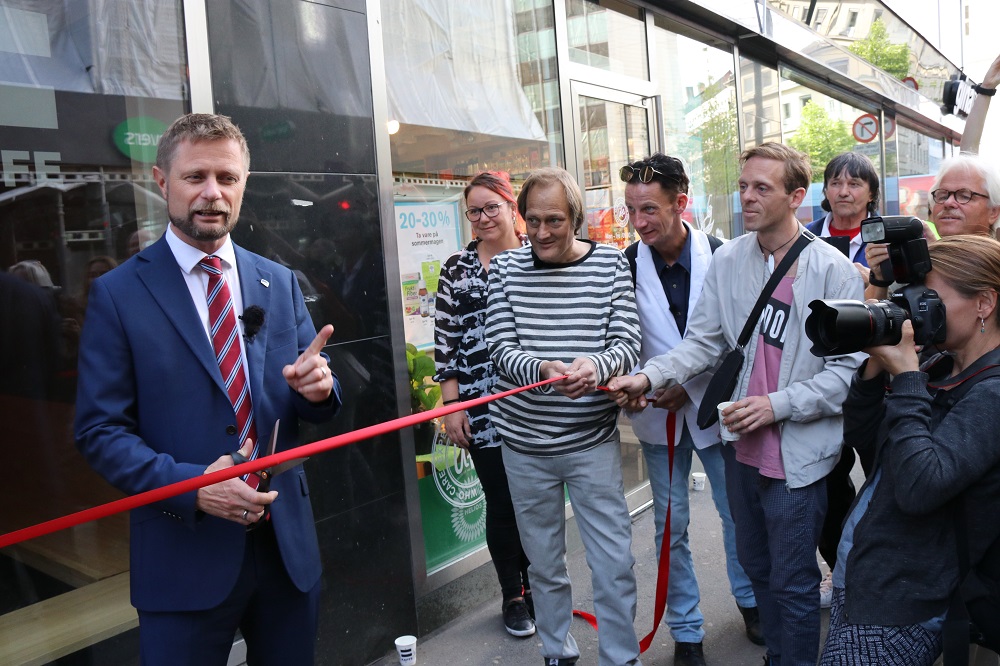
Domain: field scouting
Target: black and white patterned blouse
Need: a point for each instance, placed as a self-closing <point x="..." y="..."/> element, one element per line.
<point x="460" y="337"/>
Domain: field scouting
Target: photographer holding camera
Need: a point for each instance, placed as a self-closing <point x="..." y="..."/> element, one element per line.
<point x="931" y="500"/>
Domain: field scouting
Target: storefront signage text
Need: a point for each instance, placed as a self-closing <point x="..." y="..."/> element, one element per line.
<point x="19" y="161"/>
<point x="137" y="138"/>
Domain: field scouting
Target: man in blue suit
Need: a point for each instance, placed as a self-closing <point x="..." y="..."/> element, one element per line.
<point x="153" y="408"/>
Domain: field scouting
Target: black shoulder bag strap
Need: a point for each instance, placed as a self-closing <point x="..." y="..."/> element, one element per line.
<point x="793" y="253"/>
<point x="726" y="373"/>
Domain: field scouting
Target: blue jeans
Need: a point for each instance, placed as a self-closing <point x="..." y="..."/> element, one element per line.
<point x="777" y="531"/>
<point x="683" y="615"/>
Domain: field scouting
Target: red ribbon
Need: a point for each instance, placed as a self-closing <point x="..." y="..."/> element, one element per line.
<point x="305" y="451"/>
<point x="663" y="569"/>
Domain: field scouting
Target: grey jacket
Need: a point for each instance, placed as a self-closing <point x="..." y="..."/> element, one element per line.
<point x="807" y="404"/>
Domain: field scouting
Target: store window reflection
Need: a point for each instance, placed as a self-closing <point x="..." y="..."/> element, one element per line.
<point x="612" y="134"/>
<point x="86" y="92"/>
<point x="473" y="86"/>
<point x="873" y="32"/>
<point x="920" y="156"/>
<point x="700" y="124"/>
<point x="607" y="34"/>
<point x="760" y="115"/>
<point x="291" y="73"/>
<point x="824" y="127"/>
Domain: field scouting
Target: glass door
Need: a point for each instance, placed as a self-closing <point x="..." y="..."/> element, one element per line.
<point x="613" y="128"/>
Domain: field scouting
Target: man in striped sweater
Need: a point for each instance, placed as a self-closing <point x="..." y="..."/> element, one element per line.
<point x="565" y="306"/>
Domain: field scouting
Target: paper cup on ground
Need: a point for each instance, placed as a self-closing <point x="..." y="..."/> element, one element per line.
<point x="698" y="480"/>
<point x="406" y="647"/>
<point x="723" y="430"/>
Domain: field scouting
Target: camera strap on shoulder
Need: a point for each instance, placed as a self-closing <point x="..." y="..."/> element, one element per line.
<point x="947" y="394"/>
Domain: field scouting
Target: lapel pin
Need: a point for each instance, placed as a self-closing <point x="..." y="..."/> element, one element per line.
<point x="265" y="282"/>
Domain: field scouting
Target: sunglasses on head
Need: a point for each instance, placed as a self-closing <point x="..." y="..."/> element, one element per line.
<point x="645" y="174"/>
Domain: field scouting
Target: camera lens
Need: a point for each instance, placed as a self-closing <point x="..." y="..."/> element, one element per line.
<point x="845" y="327"/>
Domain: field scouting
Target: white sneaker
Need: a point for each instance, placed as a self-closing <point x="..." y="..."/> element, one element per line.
<point x="826" y="590"/>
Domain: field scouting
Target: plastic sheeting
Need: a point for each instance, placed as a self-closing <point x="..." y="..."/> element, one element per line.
<point x="111" y="47"/>
<point x="453" y="64"/>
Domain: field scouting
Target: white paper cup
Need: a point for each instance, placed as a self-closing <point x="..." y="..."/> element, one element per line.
<point x="698" y="480"/>
<point x="406" y="647"/>
<point x="724" y="432"/>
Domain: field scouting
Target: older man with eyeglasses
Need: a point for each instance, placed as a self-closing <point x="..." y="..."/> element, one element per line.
<point x="965" y="199"/>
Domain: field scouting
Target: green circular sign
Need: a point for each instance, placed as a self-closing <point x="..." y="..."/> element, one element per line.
<point x="138" y="137"/>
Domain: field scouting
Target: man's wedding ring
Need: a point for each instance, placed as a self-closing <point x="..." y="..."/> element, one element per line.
<point x="245" y="512"/>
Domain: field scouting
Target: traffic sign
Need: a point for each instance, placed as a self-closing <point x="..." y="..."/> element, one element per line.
<point x="890" y="127"/>
<point x="865" y="128"/>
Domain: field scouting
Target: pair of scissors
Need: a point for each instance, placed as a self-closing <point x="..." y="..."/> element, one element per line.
<point x="265" y="475"/>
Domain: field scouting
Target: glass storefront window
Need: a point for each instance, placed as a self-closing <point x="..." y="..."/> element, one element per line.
<point x="823" y="127"/>
<point x="607" y="34"/>
<point x="700" y="120"/>
<point x="86" y="93"/>
<point x="480" y="94"/>
<point x="919" y="157"/>
<point x="279" y="69"/>
<point x="871" y="31"/>
<point x="760" y="115"/>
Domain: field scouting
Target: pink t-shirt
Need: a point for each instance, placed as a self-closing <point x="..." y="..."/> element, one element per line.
<point x="762" y="447"/>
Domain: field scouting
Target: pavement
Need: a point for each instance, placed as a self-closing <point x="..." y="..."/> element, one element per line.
<point x="478" y="636"/>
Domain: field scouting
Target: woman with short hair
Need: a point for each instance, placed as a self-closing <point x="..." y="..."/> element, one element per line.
<point x="465" y="371"/>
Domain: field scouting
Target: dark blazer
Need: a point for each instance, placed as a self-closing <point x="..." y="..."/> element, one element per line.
<point x="152" y="409"/>
<point x="816" y="226"/>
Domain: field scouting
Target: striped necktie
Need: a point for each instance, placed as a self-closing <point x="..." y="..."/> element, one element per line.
<point x="225" y="340"/>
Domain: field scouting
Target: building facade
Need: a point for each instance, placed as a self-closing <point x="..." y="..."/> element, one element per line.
<point x="365" y="118"/>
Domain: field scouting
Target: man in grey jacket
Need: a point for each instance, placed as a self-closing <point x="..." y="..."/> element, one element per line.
<point x="788" y="402"/>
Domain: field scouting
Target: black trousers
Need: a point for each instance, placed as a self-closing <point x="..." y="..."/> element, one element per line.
<point x="502" y="537"/>
<point x="840" y="494"/>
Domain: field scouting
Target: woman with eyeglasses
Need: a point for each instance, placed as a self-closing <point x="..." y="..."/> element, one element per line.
<point x="934" y="486"/>
<point x="465" y="371"/>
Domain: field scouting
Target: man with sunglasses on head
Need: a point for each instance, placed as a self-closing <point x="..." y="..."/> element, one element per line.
<point x="669" y="264"/>
<point x="787" y="409"/>
<point x="965" y="199"/>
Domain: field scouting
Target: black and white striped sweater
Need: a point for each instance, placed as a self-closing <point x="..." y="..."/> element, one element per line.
<point x="545" y="312"/>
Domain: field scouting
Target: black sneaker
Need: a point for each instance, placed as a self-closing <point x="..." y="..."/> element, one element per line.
<point x="567" y="661"/>
<point x="751" y="618"/>
<point x="516" y="618"/>
<point x="688" y="654"/>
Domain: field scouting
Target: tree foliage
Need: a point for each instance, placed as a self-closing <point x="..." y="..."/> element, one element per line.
<point x="821" y="137"/>
<point x="879" y="51"/>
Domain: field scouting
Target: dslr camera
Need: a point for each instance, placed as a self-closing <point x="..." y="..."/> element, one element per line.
<point x="845" y="327"/>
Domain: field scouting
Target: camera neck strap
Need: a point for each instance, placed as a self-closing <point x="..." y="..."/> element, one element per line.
<point x="804" y="239"/>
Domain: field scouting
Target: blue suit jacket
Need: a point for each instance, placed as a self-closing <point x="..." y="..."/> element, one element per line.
<point x="152" y="409"/>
